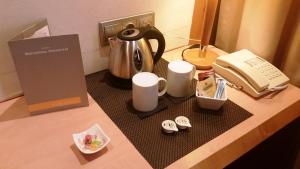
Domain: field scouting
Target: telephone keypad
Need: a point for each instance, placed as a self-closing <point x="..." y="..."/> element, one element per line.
<point x="268" y="70"/>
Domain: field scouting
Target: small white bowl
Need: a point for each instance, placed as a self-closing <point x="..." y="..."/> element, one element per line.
<point x="182" y="122"/>
<point x="94" y="130"/>
<point x="169" y="126"/>
<point x="211" y="103"/>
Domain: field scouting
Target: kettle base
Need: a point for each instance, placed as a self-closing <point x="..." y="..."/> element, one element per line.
<point x="117" y="82"/>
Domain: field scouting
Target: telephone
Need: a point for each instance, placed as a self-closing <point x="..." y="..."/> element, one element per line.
<point x="250" y="73"/>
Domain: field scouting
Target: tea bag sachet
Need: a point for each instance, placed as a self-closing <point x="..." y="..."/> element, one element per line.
<point x="206" y="86"/>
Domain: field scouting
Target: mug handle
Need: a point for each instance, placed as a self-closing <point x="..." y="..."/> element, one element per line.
<point x="165" y="88"/>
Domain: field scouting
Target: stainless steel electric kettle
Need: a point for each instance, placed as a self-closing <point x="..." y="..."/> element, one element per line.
<point x="131" y="52"/>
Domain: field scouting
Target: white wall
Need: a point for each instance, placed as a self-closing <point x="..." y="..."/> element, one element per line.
<point x="173" y="18"/>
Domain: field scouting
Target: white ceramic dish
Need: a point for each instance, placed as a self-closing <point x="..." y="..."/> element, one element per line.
<point x="94" y="130"/>
<point x="211" y="103"/>
<point x="182" y="122"/>
<point x="169" y="126"/>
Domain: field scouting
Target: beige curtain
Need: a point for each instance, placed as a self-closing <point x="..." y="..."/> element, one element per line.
<point x="269" y="28"/>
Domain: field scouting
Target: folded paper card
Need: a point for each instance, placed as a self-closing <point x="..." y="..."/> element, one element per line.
<point x="50" y="69"/>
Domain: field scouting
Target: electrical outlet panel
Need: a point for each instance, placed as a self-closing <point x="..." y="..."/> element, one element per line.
<point x="112" y="27"/>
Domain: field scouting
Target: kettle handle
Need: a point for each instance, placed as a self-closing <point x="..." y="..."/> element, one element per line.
<point x="154" y="33"/>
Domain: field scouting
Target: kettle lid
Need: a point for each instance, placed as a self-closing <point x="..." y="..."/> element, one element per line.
<point x="130" y="34"/>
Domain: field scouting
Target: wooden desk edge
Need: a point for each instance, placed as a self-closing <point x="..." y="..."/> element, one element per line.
<point x="239" y="147"/>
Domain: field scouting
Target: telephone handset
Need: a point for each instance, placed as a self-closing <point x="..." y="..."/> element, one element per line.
<point x="252" y="73"/>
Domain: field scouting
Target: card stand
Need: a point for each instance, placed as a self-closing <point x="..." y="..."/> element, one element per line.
<point x="211" y="103"/>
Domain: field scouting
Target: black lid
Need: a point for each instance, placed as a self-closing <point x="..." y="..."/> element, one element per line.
<point x="130" y="34"/>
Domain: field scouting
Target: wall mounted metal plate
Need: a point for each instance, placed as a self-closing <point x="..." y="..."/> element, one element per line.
<point x="112" y="27"/>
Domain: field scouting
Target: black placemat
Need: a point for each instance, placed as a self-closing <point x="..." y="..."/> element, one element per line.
<point x="159" y="149"/>
<point x="161" y="105"/>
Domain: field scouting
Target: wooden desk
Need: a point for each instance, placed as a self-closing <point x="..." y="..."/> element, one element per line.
<point x="45" y="141"/>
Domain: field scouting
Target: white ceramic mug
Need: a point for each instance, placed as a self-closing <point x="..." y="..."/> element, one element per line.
<point x="145" y="91"/>
<point x="180" y="76"/>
